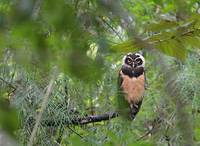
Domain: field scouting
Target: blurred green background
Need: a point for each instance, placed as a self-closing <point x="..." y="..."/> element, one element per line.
<point x="85" y="40"/>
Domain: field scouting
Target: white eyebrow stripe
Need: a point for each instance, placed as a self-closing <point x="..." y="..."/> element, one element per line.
<point x="130" y="57"/>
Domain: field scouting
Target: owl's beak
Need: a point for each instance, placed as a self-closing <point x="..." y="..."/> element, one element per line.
<point x="133" y="65"/>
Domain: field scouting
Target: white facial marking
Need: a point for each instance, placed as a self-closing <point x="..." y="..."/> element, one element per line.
<point x="140" y="56"/>
<point x="143" y="60"/>
<point x="124" y="58"/>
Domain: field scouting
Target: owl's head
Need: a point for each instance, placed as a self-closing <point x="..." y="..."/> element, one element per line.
<point x="134" y="60"/>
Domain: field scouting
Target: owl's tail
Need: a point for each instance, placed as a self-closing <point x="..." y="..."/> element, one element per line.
<point x="134" y="109"/>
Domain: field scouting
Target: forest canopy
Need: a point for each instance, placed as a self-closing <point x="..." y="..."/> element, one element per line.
<point x="59" y="65"/>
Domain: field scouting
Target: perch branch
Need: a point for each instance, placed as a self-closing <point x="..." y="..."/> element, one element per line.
<point x="79" y="120"/>
<point x="96" y="118"/>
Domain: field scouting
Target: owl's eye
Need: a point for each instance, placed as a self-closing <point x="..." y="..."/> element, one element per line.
<point x="128" y="61"/>
<point x="138" y="61"/>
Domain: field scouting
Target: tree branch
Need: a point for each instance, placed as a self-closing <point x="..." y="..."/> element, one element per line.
<point x="96" y="118"/>
<point x="78" y="121"/>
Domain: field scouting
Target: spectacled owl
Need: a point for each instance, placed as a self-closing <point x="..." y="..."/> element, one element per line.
<point x="131" y="84"/>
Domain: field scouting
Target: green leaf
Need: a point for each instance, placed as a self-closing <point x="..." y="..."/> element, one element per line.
<point x="160" y="26"/>
<point x="160" y="37"/>
<point x="172" y="48"/>
<point x="192" y="41"/>
<point x="125" y="47"/>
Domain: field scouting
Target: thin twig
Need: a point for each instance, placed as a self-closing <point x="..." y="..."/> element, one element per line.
<point x="74" y="132"/>
<point x="111" y="27"/>
<point x="145" y="135"/>
<point x="43" y="107"/>
<point x="155" y="123"/>
<point x="9" y="84"/>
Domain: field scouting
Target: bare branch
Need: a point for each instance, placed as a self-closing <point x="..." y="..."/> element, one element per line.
<point x="96" y="118"/>
<point x="79" y="120"/>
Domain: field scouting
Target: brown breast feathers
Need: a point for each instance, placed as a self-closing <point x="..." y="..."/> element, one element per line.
<point x="133" y="88"/>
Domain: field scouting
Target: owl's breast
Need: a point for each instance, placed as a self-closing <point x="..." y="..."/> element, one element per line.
<point x="133" y="88"/>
